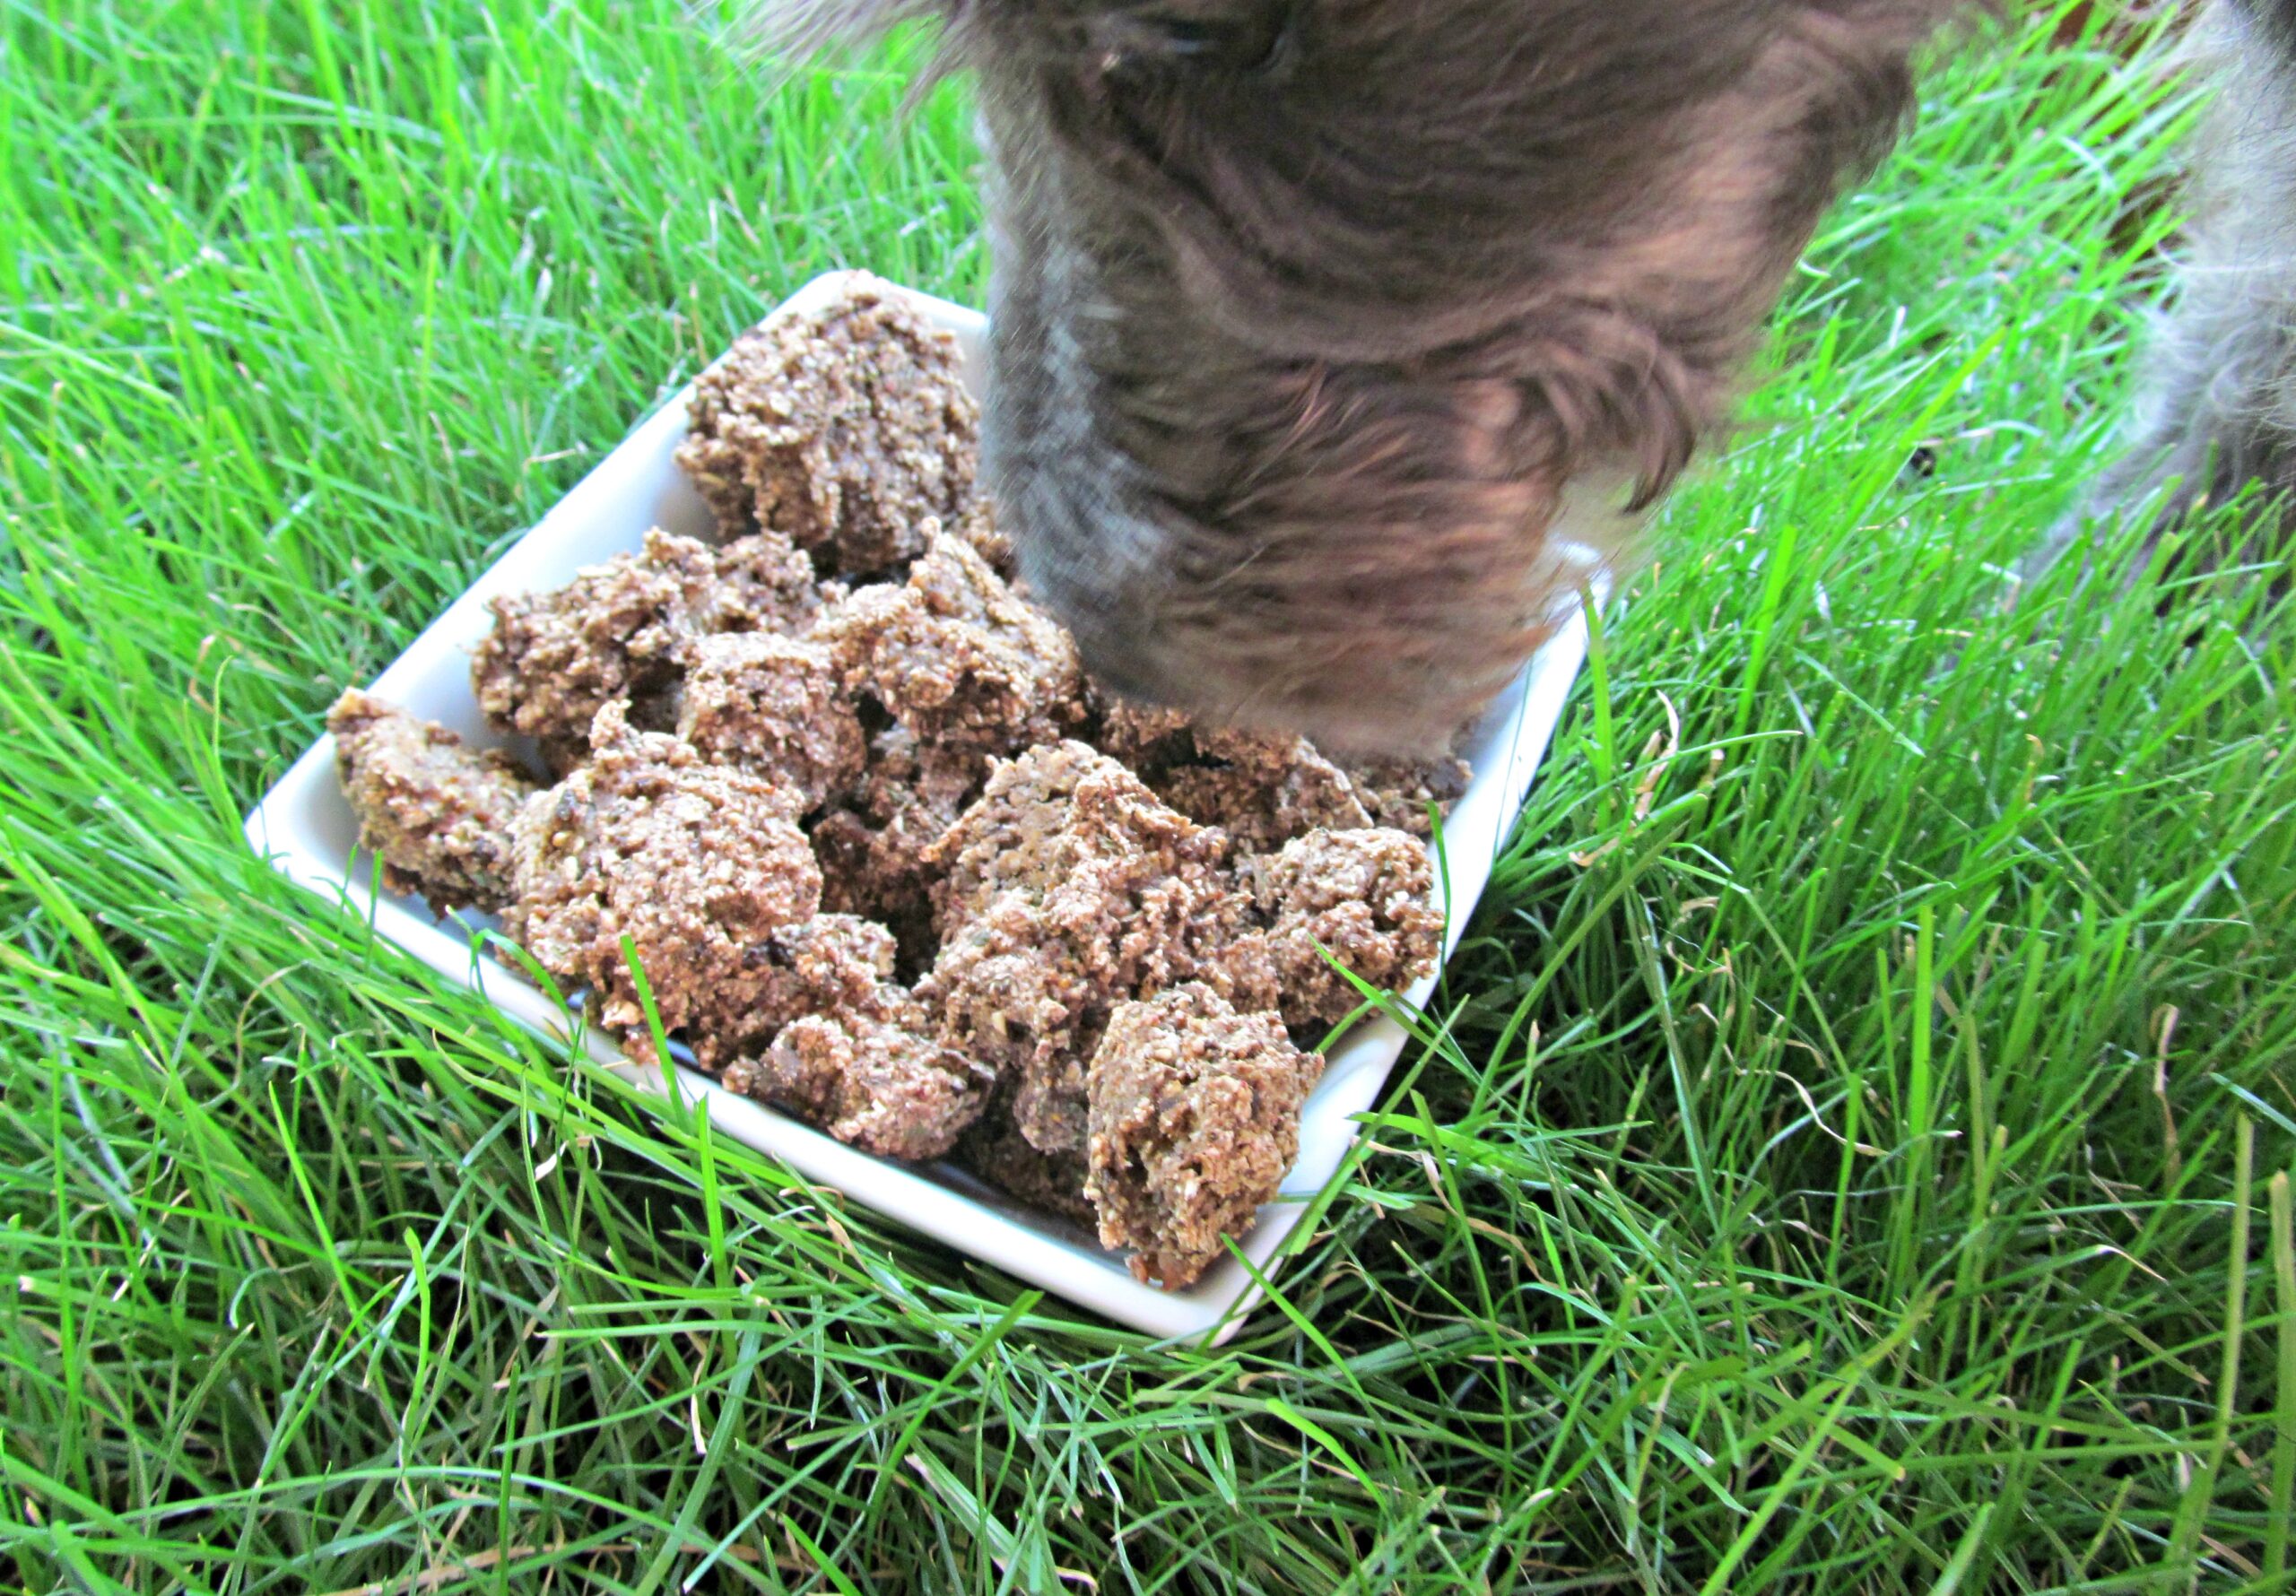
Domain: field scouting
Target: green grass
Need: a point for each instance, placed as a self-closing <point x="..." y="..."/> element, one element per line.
<point x="1851" y="1155"/>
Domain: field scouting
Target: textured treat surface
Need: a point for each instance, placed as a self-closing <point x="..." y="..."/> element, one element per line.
<point x="436" y="812"/>
<point x="1362" y="895"/>
<point x="957" y="657"/>
<point x="848" y="429"/>
<point x="1065" y="889"/>
<point x="871" y="842"/>
<point x="697" y="864"/>
<point x="1399" y="793"/>
<point x="776" y="708"/>
<point x="626" y="629"/>
<point x="1194" y="1118"/>
<point x="873" y="1080"/>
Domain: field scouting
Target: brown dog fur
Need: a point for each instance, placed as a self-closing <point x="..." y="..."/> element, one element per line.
<point x="1336" y="342"/>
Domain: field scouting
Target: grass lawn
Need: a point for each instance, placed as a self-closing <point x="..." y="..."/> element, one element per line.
<point x="1850" y="1155"/>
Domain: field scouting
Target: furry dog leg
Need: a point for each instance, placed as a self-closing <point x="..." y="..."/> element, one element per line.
<point x="2217" y="406"/>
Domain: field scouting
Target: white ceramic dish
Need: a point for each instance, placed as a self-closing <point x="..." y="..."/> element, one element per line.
<point x="305" y="827"/>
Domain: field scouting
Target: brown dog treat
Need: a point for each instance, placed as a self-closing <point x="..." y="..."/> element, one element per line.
<point x="625" y="629"/>
<point x="848" y="429"/>
<point x="872" y="845"/>
<point x="978" y="527"/>
<point x="1194" y="1120"/>
<point x="1066" y="889"/>
<point x="1149" y="738"/>
<point x="1362" y="894"/>
<point x="1262" y="788"/>
<point x="775" y="707"/>
<point x="697" y="864"/>
<point x="832" y="964"/>
<point x="436" y="812"/>
<point x="831" y="1039"/>
<point x="995" y="1150"/>
<point x="957" y="657"/>
<point x="1399" y="793"/>
<point x="877" y="1084"/>
<point x="766" y="583"/>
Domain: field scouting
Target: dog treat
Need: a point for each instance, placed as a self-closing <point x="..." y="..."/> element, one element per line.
<point x="871" y="846"/>
<point x="957" y="658"/>
<point x="878" y="1084"/>
<point x="1262" y="791"/>
<point x="832" y="963"/>
<point x="994" y="1149"/>
<point x="775" y="707"/>
<point x="766" y="583"/>
<point x="1149" y="738"/>
<point x="1362" y="894"/>
<point x="437" y="814"/>
<point x="696" y="864"/>
<point x="1261" y="788"/>
<point x="848" y="429"/>
<point x="1195" y="1118"/>
<point x="978" y="528"/>
<point x="1066" y="889"/>
<point x="626" y="628"/>
<point x="1398" y="791"/>
<point x="851" y="1051"/>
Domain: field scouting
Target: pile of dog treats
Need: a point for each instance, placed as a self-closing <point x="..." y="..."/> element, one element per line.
<point x="886" y="858"/>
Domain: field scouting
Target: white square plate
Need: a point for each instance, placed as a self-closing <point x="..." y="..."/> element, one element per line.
<point x="305" y="827"/>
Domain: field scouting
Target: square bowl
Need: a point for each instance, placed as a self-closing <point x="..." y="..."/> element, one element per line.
<point x="305" y="827"/>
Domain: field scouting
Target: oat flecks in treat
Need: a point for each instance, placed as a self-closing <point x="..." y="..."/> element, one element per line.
<point x="1399" y="792"/>
<point x="832" y="963"/>
<point x="766" y="583"/>
<point x="436" y="812"/>
<point x="1065" y="889"/>
<point x="1262" y="788"/>
<point x="1148" y="738"/>
<point x="839" y="962"/>
<point x="959" y="659"/>
<point x="697" y="864"/>
<point x="872" y="845"/>
<point x="625" y="629"/>
<point x="847" y="427"/>
<point x="877" y="1083"/>
<point x="837" y="1043"/>
<point x="978" y="527"/>
<point x="1194" y="1119"/>
<point x="775" y="707"/>
<point x="1363" y="895"/>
